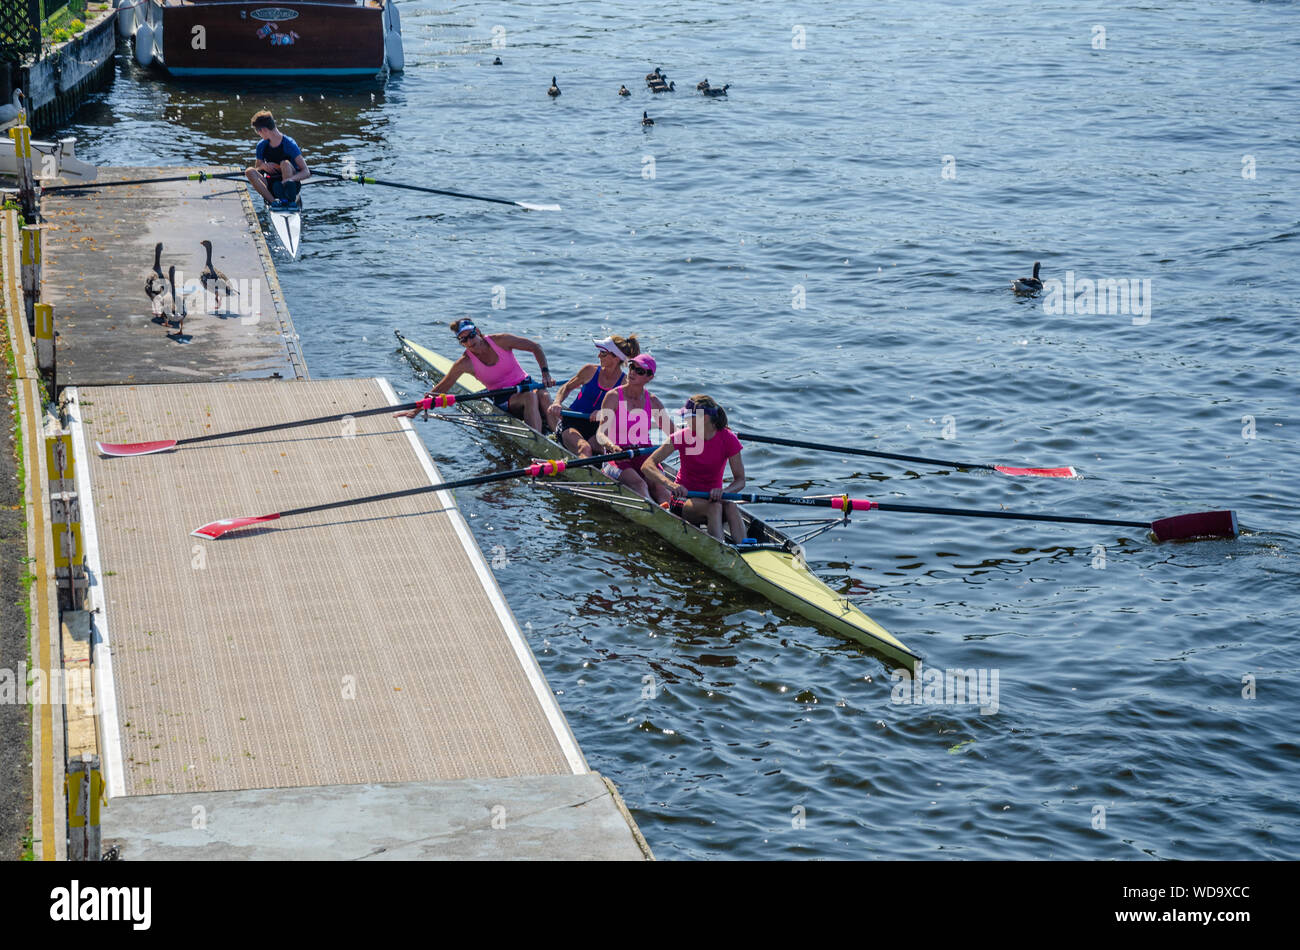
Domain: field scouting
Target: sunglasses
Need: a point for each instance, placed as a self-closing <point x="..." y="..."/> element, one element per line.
<point x="640" y="370"/>
<point x="468" y="336"/>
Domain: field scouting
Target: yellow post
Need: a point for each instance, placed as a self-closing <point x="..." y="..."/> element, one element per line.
<point x="43" y="331"/>
<point x="31" y="267"/>
<point x="22" y="137"/>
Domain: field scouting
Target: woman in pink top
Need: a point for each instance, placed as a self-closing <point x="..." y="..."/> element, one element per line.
<point x="628" y="414"/>
<point x="489" y="360"/>
<point x="705" y="447"/>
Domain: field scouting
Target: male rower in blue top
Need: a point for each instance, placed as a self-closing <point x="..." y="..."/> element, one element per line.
<point x="280" y="165"/>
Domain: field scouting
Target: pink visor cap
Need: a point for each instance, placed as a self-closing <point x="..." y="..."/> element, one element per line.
<point x="645" y="361"/>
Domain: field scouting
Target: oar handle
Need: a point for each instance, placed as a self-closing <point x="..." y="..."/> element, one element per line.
<point x="436" y="401"/>
<point x="849" y="450"/>
<point x="842" y="502"/>
<point x="535" y="470"/>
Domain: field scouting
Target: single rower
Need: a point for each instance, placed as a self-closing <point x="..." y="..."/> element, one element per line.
<point x="705" y="446"/>
<point x="628" y="413"/>
<point x="592" y="382"/>
<point x="491" y="360"/>
<point x="279" y="168"/>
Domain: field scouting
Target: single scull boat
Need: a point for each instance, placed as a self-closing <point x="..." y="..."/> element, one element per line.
<point x="287" y="223"/>
<point x="772" y="565"/>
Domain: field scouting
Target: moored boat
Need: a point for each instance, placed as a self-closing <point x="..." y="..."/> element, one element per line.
<point x="289" y="38"/>
<point x="772" y="564"/>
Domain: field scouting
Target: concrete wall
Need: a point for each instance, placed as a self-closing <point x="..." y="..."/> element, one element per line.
<point x="57" y="84"/>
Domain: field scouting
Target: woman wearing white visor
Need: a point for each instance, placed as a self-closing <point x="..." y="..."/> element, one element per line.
<point x="591" y="382"/>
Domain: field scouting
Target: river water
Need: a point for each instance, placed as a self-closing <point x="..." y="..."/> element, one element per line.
<point x="828" y="250"/>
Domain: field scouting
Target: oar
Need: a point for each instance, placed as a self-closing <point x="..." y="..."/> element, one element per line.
<point x="216" y="529"/>
<point x="1067" y="472"/>
<point x="1205" y="524"/>
<point x="364" y="180"/>
<point x="440" y="400"/>
<point x="193" y="176"/>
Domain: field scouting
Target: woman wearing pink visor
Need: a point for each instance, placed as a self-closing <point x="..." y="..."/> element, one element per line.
<point x="705" y="447"/>
<point x="628" y="414"/>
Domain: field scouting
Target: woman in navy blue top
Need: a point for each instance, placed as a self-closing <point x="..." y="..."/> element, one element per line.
<point x="592" y="382"/>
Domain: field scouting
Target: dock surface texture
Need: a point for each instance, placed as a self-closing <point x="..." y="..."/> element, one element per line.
<point x="553" y="817"/>
<point x="98" y="250"/>
<point x="351" y="646"/>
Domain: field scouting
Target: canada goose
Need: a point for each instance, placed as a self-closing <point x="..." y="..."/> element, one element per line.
<point x="671" y="87"/>
<point x="656" y="76"/>
<point x="1028" y="285"/>
<point x="645" y="119"/>
<point x="702" y="84"/>
<point x="154" y="282"/>
<point x="554" y="90"/>
<point x="165" y="303"/>
<point x="623" y="91"/>
<point x="716" y="90"/>
<point x="216" y="278"/>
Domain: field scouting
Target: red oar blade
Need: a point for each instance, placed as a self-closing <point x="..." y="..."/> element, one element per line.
<point x="1067" y="472"/>
<point x="135" y="448"/>
<point x="215" y="529"/>
<point x="1204" y="524"/>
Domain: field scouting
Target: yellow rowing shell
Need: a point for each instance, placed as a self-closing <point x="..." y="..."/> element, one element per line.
<point x="777" y="573"/>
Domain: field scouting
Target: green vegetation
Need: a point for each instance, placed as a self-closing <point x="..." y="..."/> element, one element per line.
<point x="65" y="22"/>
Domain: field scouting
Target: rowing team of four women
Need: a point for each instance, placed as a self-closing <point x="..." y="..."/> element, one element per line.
<point x="621" y="413"/>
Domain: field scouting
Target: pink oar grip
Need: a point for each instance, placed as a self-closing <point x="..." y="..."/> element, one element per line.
<point x="443" y="400"/>
<point x="547" y="468"/>
<point x="845" y="503"/>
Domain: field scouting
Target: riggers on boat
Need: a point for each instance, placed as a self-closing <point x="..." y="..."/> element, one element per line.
<point x="771" y="564"/>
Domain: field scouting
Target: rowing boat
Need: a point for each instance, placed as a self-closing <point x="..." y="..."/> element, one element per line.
<point x="287" y="223"/>
<point x="773" y="565"/>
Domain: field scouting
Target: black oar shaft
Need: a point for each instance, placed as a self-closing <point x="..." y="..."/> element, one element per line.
<point x="1010" y="515"/>
<point x="197" y="176"/>
<point x="831" y="501"/>
<point x="465" y="482"/>
<point x="257" y="430"/>
<point x="847" y="450"/>
<point x="364" y="180"/>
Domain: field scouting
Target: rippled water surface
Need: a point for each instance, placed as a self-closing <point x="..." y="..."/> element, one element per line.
<point x="896" y="172"/>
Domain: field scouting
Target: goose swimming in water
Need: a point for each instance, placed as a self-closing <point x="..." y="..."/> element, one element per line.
<point x="1028" y="285"/>
<point x="716" y="90"/>
<point x="623" y="91"/>
<point x="656" y="76"/>
<point x="645" y="119"/>
<point x="702" y="84"/>
<point x="216" y="278"/>
<point x="154" y="282"/>
<point x="554" y="90"/>
<point x="660" y="87"/>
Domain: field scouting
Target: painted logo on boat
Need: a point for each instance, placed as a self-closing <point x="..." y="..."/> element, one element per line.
<point x="274" y="13"/>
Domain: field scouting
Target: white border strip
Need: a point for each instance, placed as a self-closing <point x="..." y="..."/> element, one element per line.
<point x="110" y="735"/>
<point x="541" y="688"/>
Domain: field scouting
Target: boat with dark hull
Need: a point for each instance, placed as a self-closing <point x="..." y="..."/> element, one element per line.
<point x="241" y="38"/>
